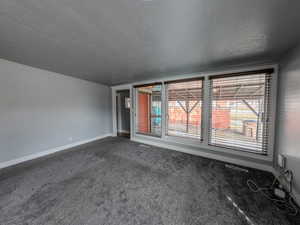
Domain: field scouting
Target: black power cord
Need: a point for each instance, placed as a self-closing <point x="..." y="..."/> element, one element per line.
<point x="285" y="204"/>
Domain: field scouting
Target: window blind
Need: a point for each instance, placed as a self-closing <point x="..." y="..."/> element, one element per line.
<point x="240" y="111"/>
<point x="184" y="108"/>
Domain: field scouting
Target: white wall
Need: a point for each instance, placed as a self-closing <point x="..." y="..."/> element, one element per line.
<point x="41" y="110"/>
<point x="288" y="126"/>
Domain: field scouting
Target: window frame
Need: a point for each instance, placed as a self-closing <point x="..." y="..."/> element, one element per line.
<point x="182" y="138"/>
<point x="136" y="131"/>
<point x="266" y="106"/>
<point x="203" y="148"/>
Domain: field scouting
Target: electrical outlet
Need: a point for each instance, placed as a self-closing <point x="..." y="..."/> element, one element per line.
<point x="281" y="161"/>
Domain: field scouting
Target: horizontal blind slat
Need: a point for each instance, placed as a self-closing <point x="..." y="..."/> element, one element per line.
<point x="240" y="111"/>
<point x="184" y="108"/>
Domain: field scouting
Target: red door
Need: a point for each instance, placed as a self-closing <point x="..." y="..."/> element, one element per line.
<point x="143" y="113"/>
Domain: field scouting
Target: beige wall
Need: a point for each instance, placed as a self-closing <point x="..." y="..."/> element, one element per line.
<point x="288" y="120"/>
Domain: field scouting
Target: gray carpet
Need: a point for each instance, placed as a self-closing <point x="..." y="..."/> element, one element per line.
<point x="115" y="181"/>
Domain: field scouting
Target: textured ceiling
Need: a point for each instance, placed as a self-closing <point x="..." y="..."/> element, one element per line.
<point x="118" y="41"/>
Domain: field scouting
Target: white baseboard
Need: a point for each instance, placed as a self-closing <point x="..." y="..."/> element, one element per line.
<point x="49" y="151"/>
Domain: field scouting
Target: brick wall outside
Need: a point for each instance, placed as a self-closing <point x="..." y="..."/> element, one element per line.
<point x="221" y="117"/>
<point x="143" y="113"/>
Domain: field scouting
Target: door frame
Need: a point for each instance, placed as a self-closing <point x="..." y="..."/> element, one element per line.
<point x="114" y="108"/>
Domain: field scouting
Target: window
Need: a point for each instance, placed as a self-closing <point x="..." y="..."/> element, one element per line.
<point x="239" y="111"/>
<point x="216" y="112"/>
<point x="149" y="109"/>
<point x="184" y="108"/>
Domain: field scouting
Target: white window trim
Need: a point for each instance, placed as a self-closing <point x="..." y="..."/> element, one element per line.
<point x="204" y="144"/>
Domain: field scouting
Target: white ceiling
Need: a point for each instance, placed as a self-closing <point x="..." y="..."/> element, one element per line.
<point x="118" y="41"/>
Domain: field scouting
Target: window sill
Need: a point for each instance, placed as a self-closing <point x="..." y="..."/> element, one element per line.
<point x="147" y="134"/>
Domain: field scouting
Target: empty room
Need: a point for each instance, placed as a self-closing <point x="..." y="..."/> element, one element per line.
<point x="150" y="112"/>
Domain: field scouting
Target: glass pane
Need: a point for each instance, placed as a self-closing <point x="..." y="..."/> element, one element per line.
<point x="149" y="110"/>
<point x="184" y="109"/>
<point x="237" y="113"/>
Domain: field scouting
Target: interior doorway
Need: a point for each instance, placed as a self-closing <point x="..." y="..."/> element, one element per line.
<point x="123" y="104"/>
